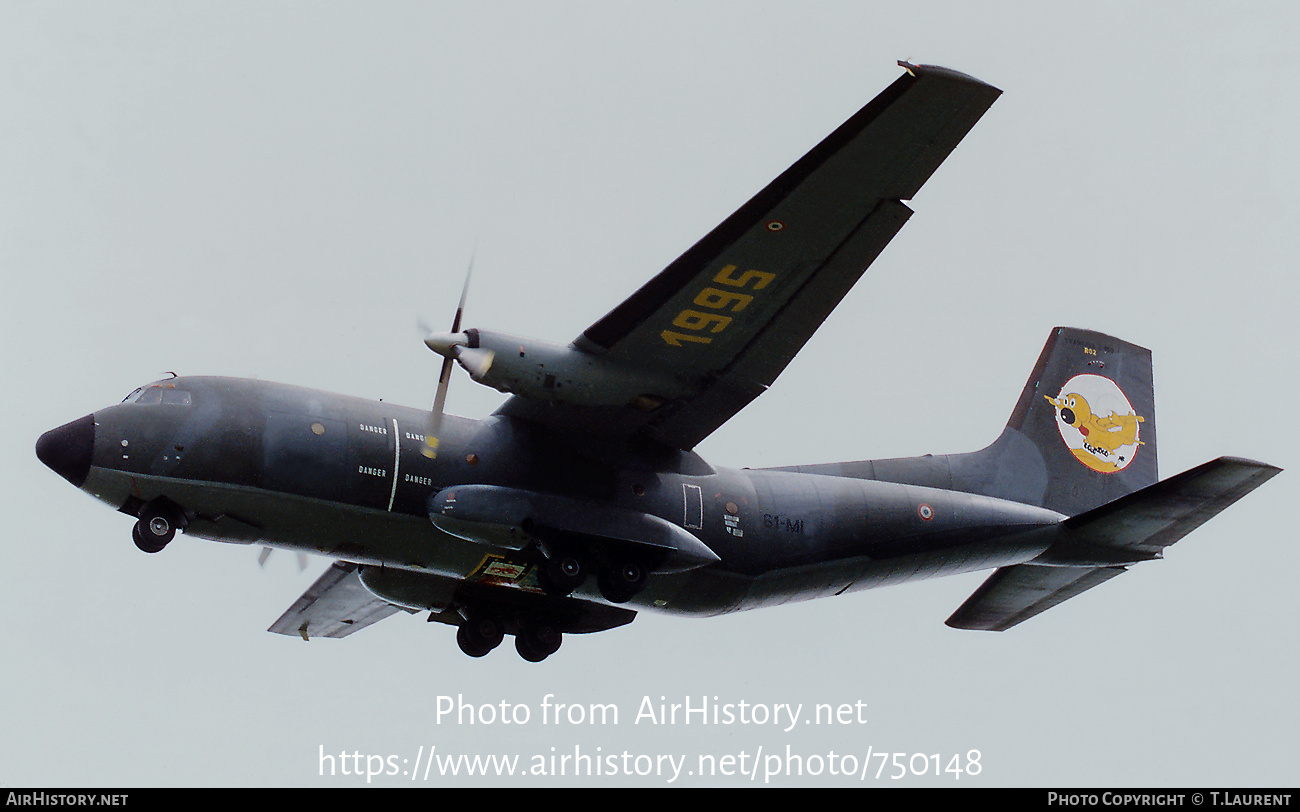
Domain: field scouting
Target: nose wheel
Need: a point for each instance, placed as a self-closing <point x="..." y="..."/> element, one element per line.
<point x="156" y="527"/>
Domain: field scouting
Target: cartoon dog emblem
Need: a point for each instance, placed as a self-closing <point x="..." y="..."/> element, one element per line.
<point x="1097" y="422"/>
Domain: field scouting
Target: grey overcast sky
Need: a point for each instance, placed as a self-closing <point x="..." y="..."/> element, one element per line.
<point x="281" y="189"/>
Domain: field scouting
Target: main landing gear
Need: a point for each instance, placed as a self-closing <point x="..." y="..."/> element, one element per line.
<point x="485" y="614"/>
<point x="482" y="632"/>
<point x="620" y="575"/>
<point x="159" y="520"/>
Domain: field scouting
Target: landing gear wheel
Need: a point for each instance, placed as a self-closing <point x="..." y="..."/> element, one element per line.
<point x="485" y="629"/>
<point x="144" y="543"/>
<point x="620" y="581"/>
<point x="157" y="527"/>
<point x="536" y="643"/>
<point x="562" y="573"/>
<point x="472" y="647"/>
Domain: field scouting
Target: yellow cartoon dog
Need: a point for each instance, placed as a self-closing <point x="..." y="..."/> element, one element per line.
<point x="1099" y="433"/>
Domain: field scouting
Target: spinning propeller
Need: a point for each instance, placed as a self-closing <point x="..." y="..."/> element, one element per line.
<point x="452" y="346"/>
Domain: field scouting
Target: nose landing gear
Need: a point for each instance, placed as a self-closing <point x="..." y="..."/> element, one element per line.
<point x="159" y="520"/>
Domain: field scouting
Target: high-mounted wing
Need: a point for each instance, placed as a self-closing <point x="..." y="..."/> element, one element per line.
<point x="1098" y="545"/>
<point x="728" y="315"/>
<point x="336" y="605"/>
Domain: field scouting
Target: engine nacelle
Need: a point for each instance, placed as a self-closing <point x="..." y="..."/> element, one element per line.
<point x="553" y="373"/>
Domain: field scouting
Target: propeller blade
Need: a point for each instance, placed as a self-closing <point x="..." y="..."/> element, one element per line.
<point x="447" y="345"/>
<point x="430" y="449"/>
<point x="464" y="292"/>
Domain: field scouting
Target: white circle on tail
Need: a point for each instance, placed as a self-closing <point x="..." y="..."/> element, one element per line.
<point x="1097" y="422"/>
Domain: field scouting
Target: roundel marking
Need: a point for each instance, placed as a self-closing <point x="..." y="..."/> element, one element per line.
<point x="1097" y="423"/>
<point x="925" y="511"/>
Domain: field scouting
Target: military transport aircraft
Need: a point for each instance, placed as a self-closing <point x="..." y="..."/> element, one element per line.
<point x="581" y="496"/>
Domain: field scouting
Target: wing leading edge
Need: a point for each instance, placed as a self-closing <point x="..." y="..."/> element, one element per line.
<point x="727" y="316"/>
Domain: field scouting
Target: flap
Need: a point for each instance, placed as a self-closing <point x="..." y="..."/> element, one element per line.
<point x="335" y="606"/>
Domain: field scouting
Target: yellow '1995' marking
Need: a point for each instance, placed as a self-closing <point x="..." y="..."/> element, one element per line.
<point x="716" y="299"/>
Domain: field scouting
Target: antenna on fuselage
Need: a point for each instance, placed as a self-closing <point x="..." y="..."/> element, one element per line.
<point x="266" y="553"/>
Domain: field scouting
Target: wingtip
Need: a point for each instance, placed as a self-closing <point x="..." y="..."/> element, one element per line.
<point x="1266" y="469"/>
<point x="919" y="71"/>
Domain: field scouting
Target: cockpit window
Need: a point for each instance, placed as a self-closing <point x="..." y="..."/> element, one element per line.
<point x="159" y="393"/>
<point x="151" y="395"/>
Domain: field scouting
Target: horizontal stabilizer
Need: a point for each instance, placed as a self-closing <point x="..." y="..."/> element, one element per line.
<point x="1147" y="521"/>
<point x="1095" y="546"/>
<point x="1014" y="594"/>
<point x="335" y="606"/>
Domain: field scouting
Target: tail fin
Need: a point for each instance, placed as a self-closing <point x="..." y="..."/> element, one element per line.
<point x="1088" y="410"/>
<point x="1082" y="434"/>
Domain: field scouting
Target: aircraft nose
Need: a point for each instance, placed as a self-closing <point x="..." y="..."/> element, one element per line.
<point x="68" y="449"/>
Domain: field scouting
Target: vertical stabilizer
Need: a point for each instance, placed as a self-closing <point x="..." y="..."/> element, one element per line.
<point x="1089" y="411"/>
<point x="1083" y="433"/>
